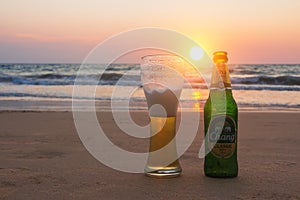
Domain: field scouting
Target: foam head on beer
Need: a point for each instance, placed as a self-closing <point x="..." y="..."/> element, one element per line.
<point x="162" y="83"/>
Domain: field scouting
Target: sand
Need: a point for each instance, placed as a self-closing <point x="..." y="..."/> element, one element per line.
<point x="42" y="157"/>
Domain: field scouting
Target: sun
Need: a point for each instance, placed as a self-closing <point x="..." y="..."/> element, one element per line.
<point x="196" y="53"/>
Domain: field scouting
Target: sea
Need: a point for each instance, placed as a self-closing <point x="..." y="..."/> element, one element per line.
<point x="49" y="87"/>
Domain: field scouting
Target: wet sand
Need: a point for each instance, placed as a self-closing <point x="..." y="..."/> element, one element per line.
<point x="42" y="157"/>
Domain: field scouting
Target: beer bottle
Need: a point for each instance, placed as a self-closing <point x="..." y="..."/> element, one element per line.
<point x="220" y="123"/>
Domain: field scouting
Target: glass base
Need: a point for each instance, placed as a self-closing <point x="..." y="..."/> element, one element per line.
<point x="163" y="173"/>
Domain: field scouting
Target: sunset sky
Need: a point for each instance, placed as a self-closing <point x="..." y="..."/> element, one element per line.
<point x="256" y="31"/>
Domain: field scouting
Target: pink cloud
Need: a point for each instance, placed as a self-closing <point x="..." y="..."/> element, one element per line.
<point x="49" y="38"/>
<point x="41" y="38"/>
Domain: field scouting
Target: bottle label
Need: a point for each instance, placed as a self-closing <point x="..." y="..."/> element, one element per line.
<point x="222" y="136"/>
<point x="220" y="78"/>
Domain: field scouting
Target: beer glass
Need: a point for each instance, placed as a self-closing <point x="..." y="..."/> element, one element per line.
<point x="162" y="84"/>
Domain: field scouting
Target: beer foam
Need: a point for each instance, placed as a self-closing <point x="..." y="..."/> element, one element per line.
<point x="168" y="100"/>
<point x="157" y="87"/>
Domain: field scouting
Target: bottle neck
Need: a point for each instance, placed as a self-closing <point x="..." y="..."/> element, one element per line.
<point x="220" y="76"/>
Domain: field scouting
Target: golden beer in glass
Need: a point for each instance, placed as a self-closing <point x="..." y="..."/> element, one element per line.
<point x="162" y="84"/>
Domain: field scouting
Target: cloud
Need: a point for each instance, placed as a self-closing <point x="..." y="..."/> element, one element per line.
<point x="49" y="38"/>
<point x="41" y="38"/>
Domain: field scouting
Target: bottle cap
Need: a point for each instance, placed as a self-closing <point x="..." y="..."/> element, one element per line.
<point x="220" y="56"/>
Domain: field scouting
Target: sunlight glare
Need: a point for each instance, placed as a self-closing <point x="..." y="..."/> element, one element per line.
<point x="196" y="53"/>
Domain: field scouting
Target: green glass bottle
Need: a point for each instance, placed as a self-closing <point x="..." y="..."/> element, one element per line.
<point x="220" y="123"/>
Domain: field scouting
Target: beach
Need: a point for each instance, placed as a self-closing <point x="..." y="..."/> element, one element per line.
<point x="42" y="157"/>
<point x="79" y="81"/>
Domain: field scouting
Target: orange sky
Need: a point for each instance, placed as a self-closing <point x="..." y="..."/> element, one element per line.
<point x="257" y="31"/>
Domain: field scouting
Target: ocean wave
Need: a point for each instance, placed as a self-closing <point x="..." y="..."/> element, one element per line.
<point x="105" y="76"/>
<point x="267" y="80"/>
<point x="257" y="77"/>
<point x="18" y="95"/>
<point x="268" y="105"/>
<point x="58" y="79"/>
<point x="266" y="87"/>
<point x="265" y="69"/>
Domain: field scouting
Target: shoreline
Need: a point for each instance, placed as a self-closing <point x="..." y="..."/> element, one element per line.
<point x="39" y="97"/>
<point x="105" y="106"/>
<point x="245" y="110"/>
